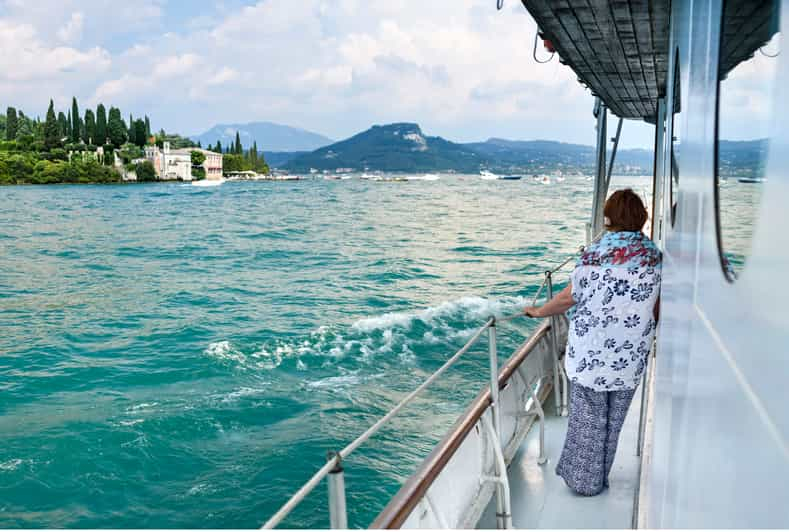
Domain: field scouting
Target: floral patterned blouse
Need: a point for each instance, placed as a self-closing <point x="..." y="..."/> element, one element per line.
<point x="615" y="285"/>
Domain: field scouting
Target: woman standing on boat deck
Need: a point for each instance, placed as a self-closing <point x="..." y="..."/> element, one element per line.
<point x="614" y="289"/>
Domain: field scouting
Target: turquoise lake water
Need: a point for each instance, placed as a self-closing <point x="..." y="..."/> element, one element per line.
<point x="177" y="356"/>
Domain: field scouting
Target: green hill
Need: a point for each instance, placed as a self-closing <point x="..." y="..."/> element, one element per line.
<point x="400" y="147"/>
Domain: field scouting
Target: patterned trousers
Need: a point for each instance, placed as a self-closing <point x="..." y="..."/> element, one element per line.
<point x="596" y="418"/>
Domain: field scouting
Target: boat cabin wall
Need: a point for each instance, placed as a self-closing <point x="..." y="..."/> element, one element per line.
<point x="720" y="455"/>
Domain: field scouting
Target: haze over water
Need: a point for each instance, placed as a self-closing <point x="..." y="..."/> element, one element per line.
<point x="176" y="356"/>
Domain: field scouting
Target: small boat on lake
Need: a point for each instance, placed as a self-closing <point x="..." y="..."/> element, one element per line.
<point x="208" y="182"/>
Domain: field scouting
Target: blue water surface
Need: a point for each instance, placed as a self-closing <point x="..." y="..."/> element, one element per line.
<point x="178" y="356"/>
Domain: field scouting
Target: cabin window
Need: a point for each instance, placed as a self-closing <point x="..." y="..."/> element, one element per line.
<point x="747" y="66"/>
<point x="675" y="141"/>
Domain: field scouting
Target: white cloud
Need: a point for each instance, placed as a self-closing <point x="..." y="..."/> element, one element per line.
<point x="24" y="57"/>
<point x="461" y="69"/>
<point x="72" y="31"/>
<point x="222" y="76"/>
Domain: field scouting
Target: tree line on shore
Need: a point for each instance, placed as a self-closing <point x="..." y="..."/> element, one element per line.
<point x="70" y="147"/>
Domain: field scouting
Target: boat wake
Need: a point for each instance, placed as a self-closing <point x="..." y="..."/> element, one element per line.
<point x="394" y="337"/>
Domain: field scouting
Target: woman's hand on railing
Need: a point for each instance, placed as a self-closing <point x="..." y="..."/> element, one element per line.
<point x="557" y="305"/>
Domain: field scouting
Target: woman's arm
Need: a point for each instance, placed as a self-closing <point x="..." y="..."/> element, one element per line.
<point x="559" y="304"/>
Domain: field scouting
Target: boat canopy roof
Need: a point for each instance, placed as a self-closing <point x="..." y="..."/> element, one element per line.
<point x="619" y="48"/>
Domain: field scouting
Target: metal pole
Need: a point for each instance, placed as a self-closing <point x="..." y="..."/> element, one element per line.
<point x="657" y="178"/>
<point x="503" y="498"/>
<point x="615" y="140"/>
<point x="602" y="140"/>
<point x="338" y="515"/>
<point x="496" y="414"/>
<point x="557" y="386"/>
<point x="494" y="377"/>
<point x="644" y="397"/>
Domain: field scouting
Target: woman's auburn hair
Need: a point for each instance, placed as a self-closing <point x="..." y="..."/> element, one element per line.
<point x="625" y="211"/>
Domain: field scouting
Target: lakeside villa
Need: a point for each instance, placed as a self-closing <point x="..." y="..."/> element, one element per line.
<point x="176" y="164"/>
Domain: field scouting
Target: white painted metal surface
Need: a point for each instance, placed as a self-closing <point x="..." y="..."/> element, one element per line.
<point x="719" y="451"/>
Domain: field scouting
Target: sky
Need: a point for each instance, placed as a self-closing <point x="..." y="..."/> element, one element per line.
<point x="459" y="68"/>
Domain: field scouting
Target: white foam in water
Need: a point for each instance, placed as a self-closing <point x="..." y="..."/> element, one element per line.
<point x="335" y="382"/>
<point x="10" y="465"/>
<point x="386" y="335"/>
<point x="131" y="422"/>
<point x="469" y="307"/>
<point x="224" y="351"/>
<point x="244" y="391"/>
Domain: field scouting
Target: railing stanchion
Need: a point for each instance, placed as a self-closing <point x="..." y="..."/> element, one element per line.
<point x="338" y="514"/>
<point x="494" y="377"/>
<point x="501" y="502"/>
<point x="557" y="383"/>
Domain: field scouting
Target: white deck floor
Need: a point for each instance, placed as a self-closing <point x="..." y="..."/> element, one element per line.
<point x="540" y="498"/>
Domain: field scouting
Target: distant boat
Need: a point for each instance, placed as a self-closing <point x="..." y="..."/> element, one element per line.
<point x="488" y="175"/>
<point x="510" y="177"/>
<point x="208" y="182"/>
<point x="365" y="175"/>
<point x="560" y="179"/>
<point x="545" y="180"/>
<point x="426" y="177"/>
<point x="751" y="179"/>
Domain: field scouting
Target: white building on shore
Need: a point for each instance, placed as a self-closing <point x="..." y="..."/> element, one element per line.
<point x="177" y="164"/>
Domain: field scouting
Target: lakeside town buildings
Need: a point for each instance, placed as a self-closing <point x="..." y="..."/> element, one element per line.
<point x="176" y="164"/>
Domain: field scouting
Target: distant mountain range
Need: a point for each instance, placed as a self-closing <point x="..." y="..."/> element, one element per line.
<point x="742" y="158"/>
<point x="403" y="147"/>
<point x="269" y="137"/>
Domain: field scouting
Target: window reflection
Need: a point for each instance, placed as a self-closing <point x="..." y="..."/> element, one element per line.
<point x="749" y="48"/>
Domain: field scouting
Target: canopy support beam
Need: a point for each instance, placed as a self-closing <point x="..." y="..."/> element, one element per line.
<point x="600" y="182"/>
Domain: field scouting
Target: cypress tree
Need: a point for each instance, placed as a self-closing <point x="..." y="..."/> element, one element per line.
<point x="63" y="125"/>
<point x="101" y="125"/>
<point x="131" y="128"/>
<point x="254" y="155"/>
<point x="11" y="124"/>
<point x="238" y="148"/>
<point x="89" y="136"/>
<point x="75" y="121"/>
<point x="147" y="127"/>
<point x="24" y="127"/>
<point x="52" y="128"/>
<point x="218" y="148"/>
<point x="139" y="133"/>
<point x="116" y="129"/>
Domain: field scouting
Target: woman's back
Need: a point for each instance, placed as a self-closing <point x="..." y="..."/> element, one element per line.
<point x="615" y="286"/>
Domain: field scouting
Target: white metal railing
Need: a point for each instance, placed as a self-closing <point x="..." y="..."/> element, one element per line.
<point x="333" y="468"/>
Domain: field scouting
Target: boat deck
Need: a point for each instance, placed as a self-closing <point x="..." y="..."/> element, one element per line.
<point x="540" y="498"/>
